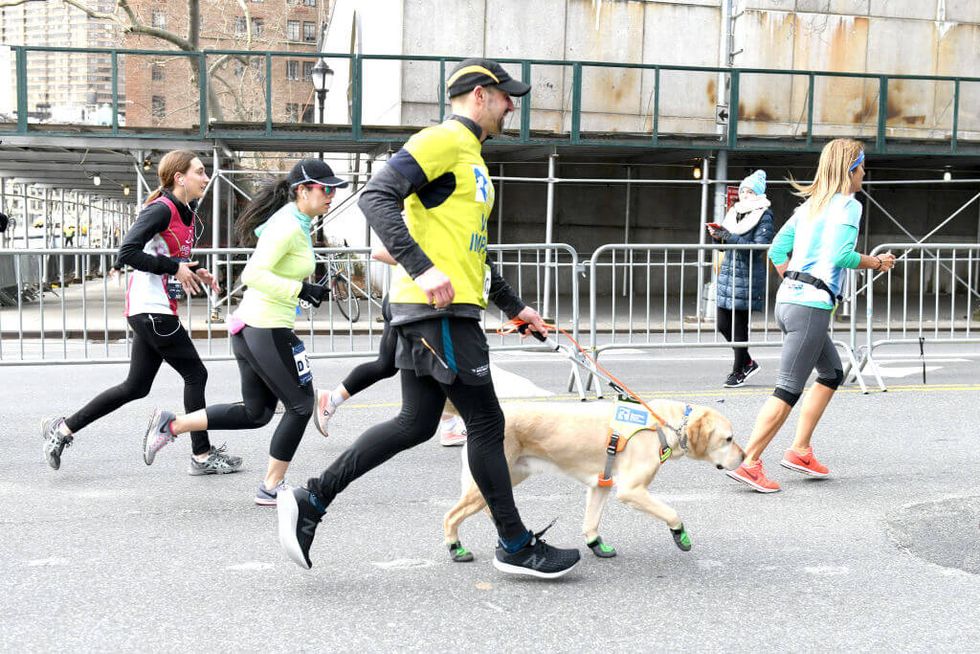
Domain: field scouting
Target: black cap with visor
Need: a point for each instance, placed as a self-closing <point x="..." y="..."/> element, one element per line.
<point x="471" y="73"/>
<point x="314" y="171"/>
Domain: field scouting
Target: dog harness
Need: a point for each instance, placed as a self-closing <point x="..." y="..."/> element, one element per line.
<point x="629" y="418"/>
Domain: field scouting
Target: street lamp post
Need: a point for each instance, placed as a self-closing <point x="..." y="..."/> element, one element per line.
<point x="322" y="78"/>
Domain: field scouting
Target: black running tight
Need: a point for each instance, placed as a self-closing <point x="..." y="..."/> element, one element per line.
<point x="422" y="401"/>
<point x="734" y="326"/>
<point x="267" y="363"/>
<point x="156" y="338"/>
<point x="368" y="374"/>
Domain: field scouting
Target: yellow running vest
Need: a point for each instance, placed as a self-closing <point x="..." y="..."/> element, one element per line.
<point x="448" y="216"/>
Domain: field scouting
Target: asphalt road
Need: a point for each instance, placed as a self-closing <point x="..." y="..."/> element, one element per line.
<point x="108" y="554"/>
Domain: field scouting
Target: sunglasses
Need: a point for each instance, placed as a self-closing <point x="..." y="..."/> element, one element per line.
<point x="327" y="190"/>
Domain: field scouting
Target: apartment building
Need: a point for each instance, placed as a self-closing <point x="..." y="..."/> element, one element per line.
<point x="61" y="87"/>
<point x="162" y="91"/>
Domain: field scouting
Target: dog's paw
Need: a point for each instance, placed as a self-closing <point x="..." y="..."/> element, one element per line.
<point x="600" y="549"/>
<point x="460" y="554"/>
<point x="681" y="539"/>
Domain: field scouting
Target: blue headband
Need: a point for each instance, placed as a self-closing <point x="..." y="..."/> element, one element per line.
<point x="857" y="162"/>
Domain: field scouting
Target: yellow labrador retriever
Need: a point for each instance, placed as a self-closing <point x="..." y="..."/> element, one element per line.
<point x="572" y="438"/>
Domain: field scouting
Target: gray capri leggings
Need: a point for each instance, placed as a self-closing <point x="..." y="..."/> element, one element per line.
<point x="806" y="345"/>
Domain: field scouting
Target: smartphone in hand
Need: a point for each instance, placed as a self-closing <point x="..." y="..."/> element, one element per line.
<point x="713" y="225"/>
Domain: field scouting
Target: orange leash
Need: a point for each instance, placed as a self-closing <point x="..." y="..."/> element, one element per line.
<point x="517" y="325"/>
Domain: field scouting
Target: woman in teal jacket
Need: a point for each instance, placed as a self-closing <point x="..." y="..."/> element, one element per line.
<point x="821" y="235"/>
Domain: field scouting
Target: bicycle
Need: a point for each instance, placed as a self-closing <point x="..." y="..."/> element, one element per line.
<point x="344" y="292"/>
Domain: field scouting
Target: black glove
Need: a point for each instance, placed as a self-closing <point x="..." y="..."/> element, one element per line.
<point x="312" y="293"/>
<point x="722" y="234"/>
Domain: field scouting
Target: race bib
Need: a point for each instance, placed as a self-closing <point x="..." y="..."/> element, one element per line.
<point x="303" y="371"/>
<point x="175" y="291"/>
<point x="486" y="284"/>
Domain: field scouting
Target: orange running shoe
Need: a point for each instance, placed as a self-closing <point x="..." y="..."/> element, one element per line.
<point x="805" y="463"/>
<point x="754" y="476"/>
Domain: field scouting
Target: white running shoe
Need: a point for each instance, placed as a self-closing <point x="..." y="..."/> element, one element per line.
<point x="325" y="408"/>
<point x="158" y="435"/>
<point x="452" y="432"/>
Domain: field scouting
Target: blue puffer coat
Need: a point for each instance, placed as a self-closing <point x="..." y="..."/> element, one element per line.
<point x="761" y="234"/>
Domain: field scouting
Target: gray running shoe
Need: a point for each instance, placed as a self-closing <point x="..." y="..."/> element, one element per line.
<point x="217" y="463"/>
<point x="158" y="435"/>
<point x="265" y="497"/>
<point x="54" y="441"/>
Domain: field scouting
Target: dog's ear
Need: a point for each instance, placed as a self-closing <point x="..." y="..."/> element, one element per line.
<point x="699" y="428"/>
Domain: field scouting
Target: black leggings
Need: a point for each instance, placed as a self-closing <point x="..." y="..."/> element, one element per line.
<point x="269" y="372"/>
<point x="740" y="333"/>
<point x="422" y="401"/>
<point x="156" y="338"/>
<point x="368" y="374"/>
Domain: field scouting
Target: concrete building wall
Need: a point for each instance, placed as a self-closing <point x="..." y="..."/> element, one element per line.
<point x="861" y="36"/>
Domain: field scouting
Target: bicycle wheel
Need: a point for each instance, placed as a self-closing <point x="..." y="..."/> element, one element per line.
<point x="347" y="303"/>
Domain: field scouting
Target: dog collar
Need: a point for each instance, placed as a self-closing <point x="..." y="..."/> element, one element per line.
<point x="665" y="449"/>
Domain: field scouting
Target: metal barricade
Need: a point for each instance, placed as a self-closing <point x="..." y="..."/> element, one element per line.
<point x="77" y="317"/>
<point x="654" y="296"/>
<point x="931" y="296"/>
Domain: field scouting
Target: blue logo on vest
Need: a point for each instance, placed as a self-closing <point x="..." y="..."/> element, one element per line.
<point x="482" y="185"/>
<point x="631" y="416"/>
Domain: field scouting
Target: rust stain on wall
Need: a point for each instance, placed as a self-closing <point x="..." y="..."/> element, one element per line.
<point x="761" y="112"/>
<point x="869" y="107"/>
<point x="710" y="91"/>
<point x="848" y="43"/>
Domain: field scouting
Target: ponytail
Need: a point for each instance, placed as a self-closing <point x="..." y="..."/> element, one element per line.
<point x="272" y="196"/>
<point x="153" y="196"/>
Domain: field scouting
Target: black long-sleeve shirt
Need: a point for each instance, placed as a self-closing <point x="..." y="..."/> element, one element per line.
<point x="152" y="220"/>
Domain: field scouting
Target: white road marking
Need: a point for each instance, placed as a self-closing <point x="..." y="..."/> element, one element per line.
<point x="509" y="384"/>
<point x="403" y="564"/>
<point x="826" y="570"/>
<point x="898" y="371"/>
<point x="250" y="565"/>
<point x="47" y="563"/>
<point x="710" y="564"/>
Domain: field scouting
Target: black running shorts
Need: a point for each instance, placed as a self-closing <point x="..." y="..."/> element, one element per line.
<point x="445" y="349"/>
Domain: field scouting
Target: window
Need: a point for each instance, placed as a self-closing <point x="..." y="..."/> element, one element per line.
<point x="158" y="106"/>
<point x="156" y="73"/>
<point x="240" y="26"/>
<point x="258" y="26"/>
<point x="292" y="30"/>
<point x="308" y="71"/>
<point x="292" y="112"/>
<point x="309" y="32"/>
<point x="309" y="3"/>
<point x="292" y="69"/>
<point x="158" y="19"/>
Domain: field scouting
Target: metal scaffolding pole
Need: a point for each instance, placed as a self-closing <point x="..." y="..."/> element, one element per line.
<point x="500" y="208"/>
<point x="548" y="233"/>
<point x="702" y="234"/>
<point x="626" y="231"/>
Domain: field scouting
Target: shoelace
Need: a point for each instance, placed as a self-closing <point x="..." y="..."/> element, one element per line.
<point x="539" y="534"/>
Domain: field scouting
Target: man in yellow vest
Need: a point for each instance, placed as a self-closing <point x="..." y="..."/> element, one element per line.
<point x="437" y="301"/>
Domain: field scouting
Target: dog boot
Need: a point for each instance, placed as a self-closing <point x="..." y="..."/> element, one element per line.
<point x="600" y="549"/>
<point x="681" y="539"/>
<point x="459" y="554"/>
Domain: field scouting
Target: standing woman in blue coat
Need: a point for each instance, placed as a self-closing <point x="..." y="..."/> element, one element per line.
<point x="742" y="279"/>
